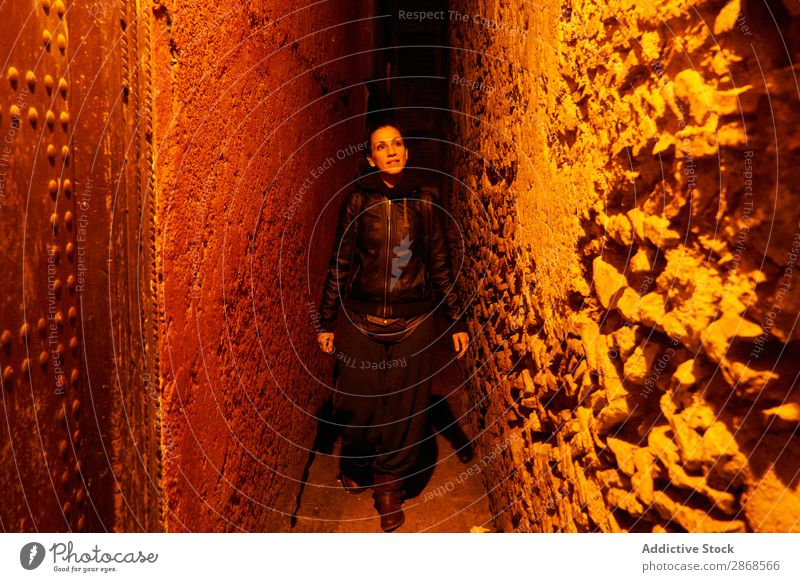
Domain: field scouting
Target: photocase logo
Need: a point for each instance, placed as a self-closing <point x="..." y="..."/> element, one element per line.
<point x="31" y="555"/>
<point x="402" y="253"/>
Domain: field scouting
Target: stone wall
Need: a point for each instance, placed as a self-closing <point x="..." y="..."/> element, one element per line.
<point x="250" y="110"/>
<point x="628" y="172"/>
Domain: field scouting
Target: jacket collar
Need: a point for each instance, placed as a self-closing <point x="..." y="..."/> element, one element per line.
<point x="409" y="185"/>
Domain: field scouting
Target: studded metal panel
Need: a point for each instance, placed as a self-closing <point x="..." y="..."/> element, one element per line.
<point x="80" y="431"/>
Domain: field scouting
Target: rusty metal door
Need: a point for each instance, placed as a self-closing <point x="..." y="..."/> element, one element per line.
<point x="79" y="402"/>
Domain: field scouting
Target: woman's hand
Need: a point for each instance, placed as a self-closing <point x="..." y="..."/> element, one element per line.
<point x="460" y="342"/>
<point x="325" y="340"/>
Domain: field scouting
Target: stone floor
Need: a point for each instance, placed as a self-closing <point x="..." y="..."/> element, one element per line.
<point x="458" y="507"/>
<point x="442" y="497"/>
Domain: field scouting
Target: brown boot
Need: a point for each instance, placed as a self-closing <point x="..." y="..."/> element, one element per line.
<point x="355" y="477"/>
<point x="388" y="495"/>
<point x="351" y="485"/>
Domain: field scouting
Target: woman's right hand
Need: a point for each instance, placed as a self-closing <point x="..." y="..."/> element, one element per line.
<point x="325" y="340"/>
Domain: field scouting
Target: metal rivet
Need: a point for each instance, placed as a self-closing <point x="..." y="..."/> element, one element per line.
<point x="62" y="448"/>
<point x="70" y="249"/>
<point x="73" y="378"/>
<point x="14" y="111"/>
<point x="65" y="477"/>
<point x="8" y="373"/>
<point x="76" y="436"/>
<point x="60" y="381"/>
<point x="65" y="508"/>
<point x="41" y="325"/>
<point x="55" y="252"/>
<point x="60" y="349"/>
<point x="65" y="152"/>
<point x="26" y="365"/>
<point x="68" y="218"/>
<point x="52" y="185"/>
<point x="43" y="358"/>
<point x="63" y="86"/>
<point x="73" y="312"/>
<point x="67" y="186"/>
<point x="51" y="153"/>
<point x="50" y="118"/>
<point x="76" y="406"/>
<point x="46" y="36"/>
<point x="59" y="318"/>
<point x="5" y="338"/>
<point x="54" y="219"/>
<point x="30" y="77"/>
<point x="13" y="76"/>
<point x="73" y="343"/>
<point x="78" y="466"/>
<point x="81" y="522"/>
<point x="48" y="83"/>
<point x="61" y="42"/>
<point x="64" y="118"/>
<point x="24" y="330"/>
<point x="80" y="495"/>
<point x="33" y="116"/>
<point x="57" y="286"/>
<point x="60" y="413"/>
<point x="71" y="283"/>
<point x="60" y="8"/>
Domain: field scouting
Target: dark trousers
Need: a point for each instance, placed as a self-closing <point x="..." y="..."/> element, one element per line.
<point x="382" y="396"/>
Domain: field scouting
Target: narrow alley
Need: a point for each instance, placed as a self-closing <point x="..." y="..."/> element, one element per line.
<point x="613" y="184"/>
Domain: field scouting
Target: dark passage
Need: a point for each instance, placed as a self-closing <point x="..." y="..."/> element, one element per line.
<point x="445" y="491"/>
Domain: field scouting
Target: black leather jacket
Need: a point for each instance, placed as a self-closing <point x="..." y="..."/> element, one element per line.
<point x="390" y="257"/>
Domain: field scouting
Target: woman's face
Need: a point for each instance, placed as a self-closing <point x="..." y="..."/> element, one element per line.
<point x="389" y="153"/>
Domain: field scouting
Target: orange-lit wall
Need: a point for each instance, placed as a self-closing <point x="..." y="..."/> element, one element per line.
<point x="240" y="94"/>
<point x="633" y="227"/>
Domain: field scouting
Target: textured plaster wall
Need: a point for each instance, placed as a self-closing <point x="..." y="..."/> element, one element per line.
<point x="246" y="104"/>
<point x="630" y="177"/>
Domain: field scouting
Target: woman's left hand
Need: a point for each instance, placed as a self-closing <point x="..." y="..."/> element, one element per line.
<point x="460" y="342"/>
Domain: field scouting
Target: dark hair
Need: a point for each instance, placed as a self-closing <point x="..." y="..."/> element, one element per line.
<point x="374" y="123"/>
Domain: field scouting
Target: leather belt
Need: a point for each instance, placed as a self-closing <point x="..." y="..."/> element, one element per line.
<point x="387" y="329"/>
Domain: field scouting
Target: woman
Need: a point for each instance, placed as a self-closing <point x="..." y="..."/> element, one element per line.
<point x="389" y="268"/>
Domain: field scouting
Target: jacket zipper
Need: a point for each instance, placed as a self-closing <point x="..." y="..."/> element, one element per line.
<point x="425" y="242"/>
<point x="388" y="256"/>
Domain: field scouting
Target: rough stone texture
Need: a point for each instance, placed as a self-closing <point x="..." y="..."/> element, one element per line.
<point x="244" y="108"/>
<point x="631" y="246"/>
